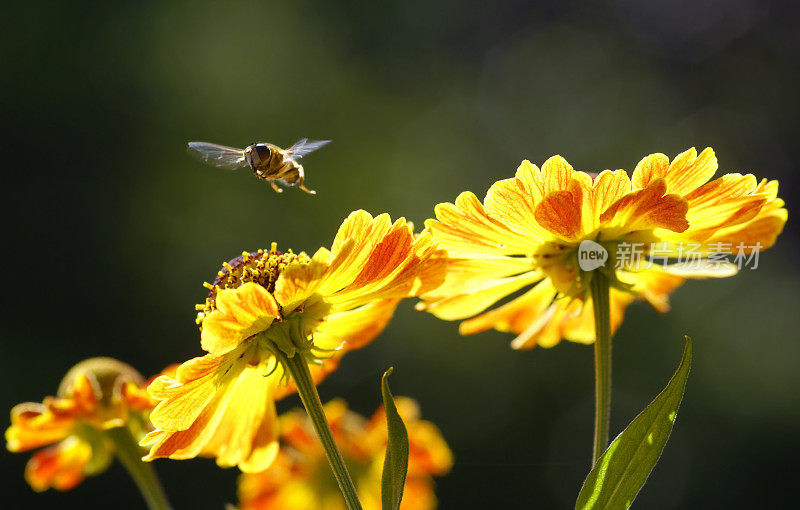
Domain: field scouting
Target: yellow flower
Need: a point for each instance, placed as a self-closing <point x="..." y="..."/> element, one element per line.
<point x="96" y="395"/>
<point x="529" y="230"/>
<point x="300" y="478"/>
<point x="266" y="305"/>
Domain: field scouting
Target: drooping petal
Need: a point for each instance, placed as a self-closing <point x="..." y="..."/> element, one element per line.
<point x="32" y="426"/>
<point x="60" y="467"/>
<point x="233" y="418"/>
<point x="460" y="306"/>
<point x="433" y="270"/>
<point x="353" y="329"/>
<point x="247" y="434"/>
<point x="516" y="315"/>
<point x="575" y="321"/>
<point x="183" y="398"/>
<point x="654" y="286"/>
<point x="467" y="274"/>
<point x="389" y="253"/>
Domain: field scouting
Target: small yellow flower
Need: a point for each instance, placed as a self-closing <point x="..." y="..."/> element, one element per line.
<point x="300" y="478"/>
<point x="222" y="404"/>
<point x="528" y="232"/>
<point x="96" y="395"/>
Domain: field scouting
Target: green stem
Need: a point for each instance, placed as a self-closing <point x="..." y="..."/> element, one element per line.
<point x="129" y="454"/>
<point x="602" y="363"/>
<point x="298" y="368"/>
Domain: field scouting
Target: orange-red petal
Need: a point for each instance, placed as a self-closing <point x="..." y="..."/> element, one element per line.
<point x="33" y="425"/>
<point x="60" y="467"/>
<point x="646" y="209"/>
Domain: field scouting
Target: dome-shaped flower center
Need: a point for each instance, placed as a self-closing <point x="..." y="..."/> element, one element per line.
<point x="261" y="267"/>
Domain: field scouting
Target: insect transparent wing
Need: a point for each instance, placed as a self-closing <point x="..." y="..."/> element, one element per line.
<point x="220" y="156"/>
<point x="304" y="146"/>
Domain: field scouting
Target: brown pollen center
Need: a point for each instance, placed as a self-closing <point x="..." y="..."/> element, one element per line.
<point x="261" y="267"/>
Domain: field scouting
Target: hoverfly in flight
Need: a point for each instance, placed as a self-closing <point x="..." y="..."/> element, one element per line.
<point x="268" y="162"/>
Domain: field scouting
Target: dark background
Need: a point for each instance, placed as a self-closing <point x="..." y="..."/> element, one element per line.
<point x="110" y="228"/>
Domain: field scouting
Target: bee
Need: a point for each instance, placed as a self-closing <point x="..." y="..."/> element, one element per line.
<point x="268" y="162"/>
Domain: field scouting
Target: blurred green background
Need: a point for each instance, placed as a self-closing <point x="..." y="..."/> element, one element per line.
<point x="110" y="228"/>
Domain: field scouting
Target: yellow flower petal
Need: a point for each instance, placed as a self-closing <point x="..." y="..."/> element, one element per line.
<point x="608" y="187"/>
<point x="464" y="305"/>
<point x="466" y="229"/>
<point x="654" y="286"/>
<point x="355" y="328"/>
<point x="517" y="315"/>
<point x="395" y="268"/>
<point x="556" y="175"/>
<point x="650" y="168"/>
<point x="760" y="231"/>
<point x="513" y="201"/>
<point x="353" y="246"/>
<point x="575" y="322"/>
<point x="229" y="411"/>
<point x="689" y="171"/>
<point x="183" y="398"/>
<point x="240" y="314"/>
<point x="297" y="283"/>
<point x="467" y="274"/>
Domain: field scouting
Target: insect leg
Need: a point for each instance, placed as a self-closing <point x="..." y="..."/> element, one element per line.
<point x="309" y="191"/>
<point x="275" y="187"/>
<point x="302" y="177"/>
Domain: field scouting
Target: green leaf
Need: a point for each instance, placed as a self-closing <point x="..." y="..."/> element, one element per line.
<point x="395" y="464"/>
<point x="620" y="473"/>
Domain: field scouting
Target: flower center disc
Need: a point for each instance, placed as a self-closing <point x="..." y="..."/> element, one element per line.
<point x="261" y="267"/>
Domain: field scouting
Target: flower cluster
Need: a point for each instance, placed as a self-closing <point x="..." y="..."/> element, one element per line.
<point x="278" y="322"/>
<point x="300" y="479"/>
<point x="527" y="234"/>
<point x="96" y="395"/>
